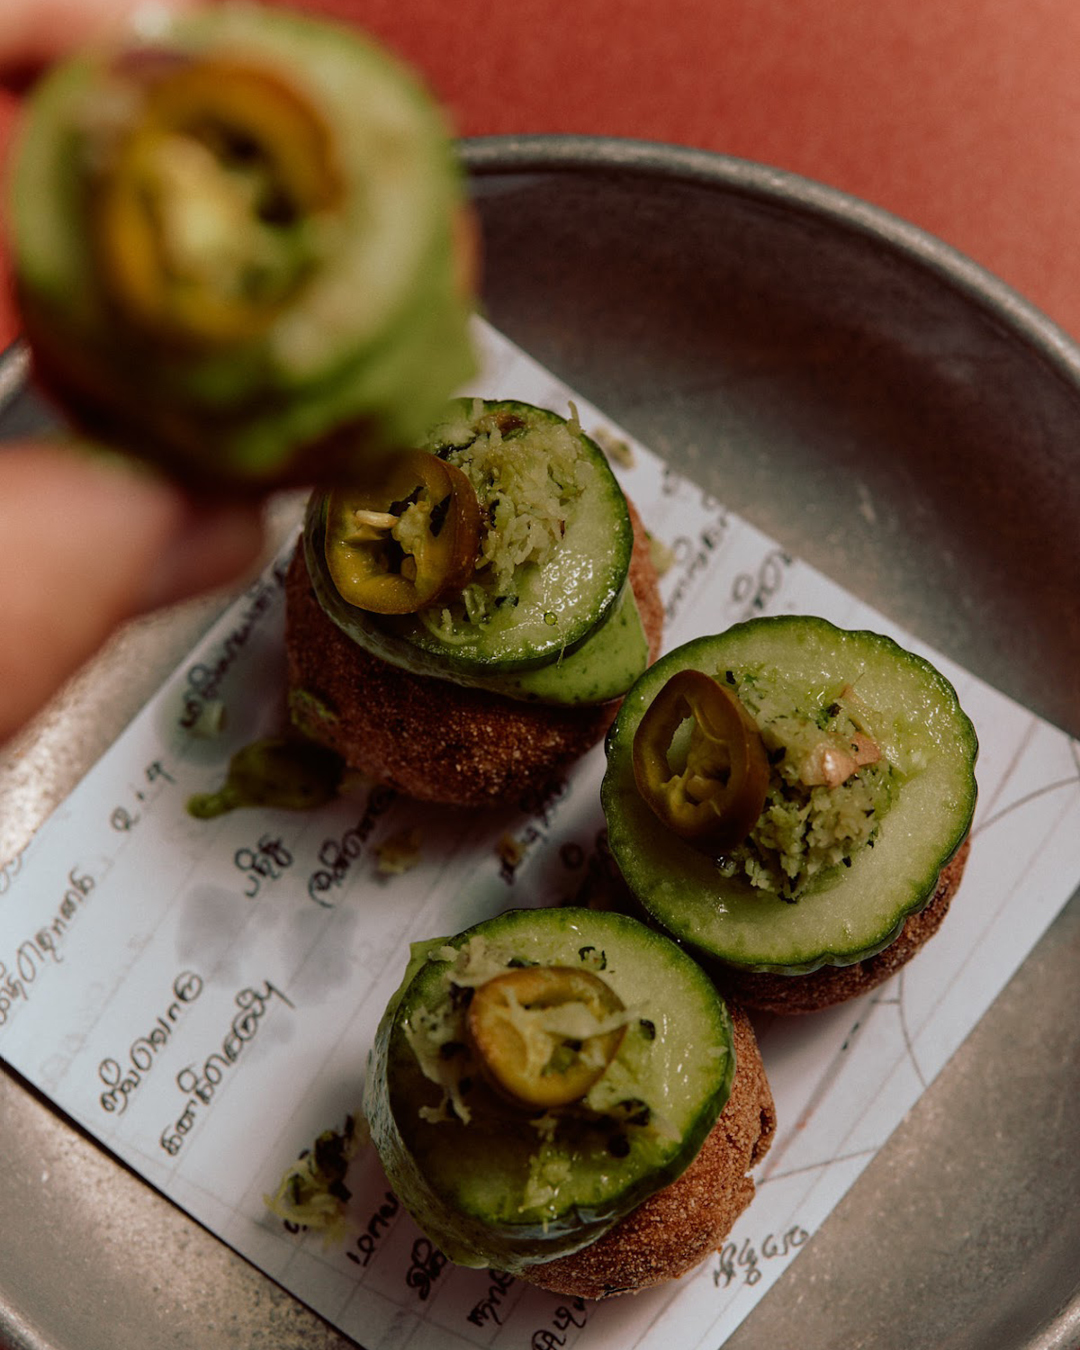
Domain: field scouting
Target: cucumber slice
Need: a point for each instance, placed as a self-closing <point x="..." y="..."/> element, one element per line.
<point x="847" y="911"/>
<point x="510" y="1188"/>
<point x="603" y="667"/>
<point x="565" y="629"/>
<point x="374" y="335"/>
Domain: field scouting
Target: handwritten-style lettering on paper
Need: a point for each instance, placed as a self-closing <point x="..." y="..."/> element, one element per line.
<point x="200" y="1083"/>
<point x="122" y="1079"/>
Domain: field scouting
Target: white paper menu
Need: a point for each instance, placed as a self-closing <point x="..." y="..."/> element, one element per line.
<point x="201" y="995"/>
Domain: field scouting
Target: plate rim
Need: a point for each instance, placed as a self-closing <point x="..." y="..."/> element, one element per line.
<point x="577" y="154"/>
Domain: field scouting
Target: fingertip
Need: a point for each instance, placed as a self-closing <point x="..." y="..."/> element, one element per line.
<point x="35" y="32"/>
<point x="90" y="541"/>
<point x="213" y="546"/>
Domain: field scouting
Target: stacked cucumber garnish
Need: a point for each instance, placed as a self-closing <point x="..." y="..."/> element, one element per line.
<point x="495" y="556"/>
<point x="241" y="248"/>
<point x="540" y="1076"/>
<point x="784" y="796"/>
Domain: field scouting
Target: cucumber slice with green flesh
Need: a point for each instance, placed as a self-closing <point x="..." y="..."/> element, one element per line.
<point x="375" y="339"/>
<point x="571" y="632"/>
<point x="492" y="1192"/>
<point x="603" y="667"/>
<point x="850" y="911"/>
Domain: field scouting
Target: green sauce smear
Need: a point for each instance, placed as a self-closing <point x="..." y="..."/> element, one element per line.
<point x="290" y="775"/>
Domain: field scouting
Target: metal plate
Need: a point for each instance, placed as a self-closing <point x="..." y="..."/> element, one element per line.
<point x="888" y="412"/>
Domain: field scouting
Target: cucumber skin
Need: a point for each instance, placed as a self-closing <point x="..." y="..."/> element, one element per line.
<point x="465" y="1239"/>
<point x="535" y="685"/>
<point x="513" y="678"/>
<point x="611" y="568"/>
<point x="241" y="420"/>
<point x="633" y="831"/>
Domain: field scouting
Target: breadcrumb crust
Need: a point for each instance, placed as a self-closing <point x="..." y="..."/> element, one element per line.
<point x="823" y="988"/>
<point x="431" y="739"/>
<point x="679" y="1227"/>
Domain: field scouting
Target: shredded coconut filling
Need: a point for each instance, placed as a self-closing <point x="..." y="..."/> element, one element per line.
<point x="437" y="1037"/>
<point x="527" y="476"/>
<point x="831" y="784"/>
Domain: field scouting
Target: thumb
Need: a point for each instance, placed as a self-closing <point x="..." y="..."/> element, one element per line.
<point x="88" y="542"/>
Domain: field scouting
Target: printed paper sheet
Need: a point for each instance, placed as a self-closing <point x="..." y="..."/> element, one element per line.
<point x="201" y="995"/>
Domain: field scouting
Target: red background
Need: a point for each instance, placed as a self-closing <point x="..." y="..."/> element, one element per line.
<point x="963" y="117"/>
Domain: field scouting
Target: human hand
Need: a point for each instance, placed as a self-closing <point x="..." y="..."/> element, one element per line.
<point x="90" y="540"/>
<point x="35" y="32"/>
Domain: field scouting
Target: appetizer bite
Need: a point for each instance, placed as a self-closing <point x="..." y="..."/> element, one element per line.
<point x="792" y="802"/>
<point x="562" y="1094"/>
<point x="241" y="249"/>
<point x="462" y="622"/>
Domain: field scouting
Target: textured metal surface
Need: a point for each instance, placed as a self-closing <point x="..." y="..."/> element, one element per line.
<point x="893" y="415"/>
